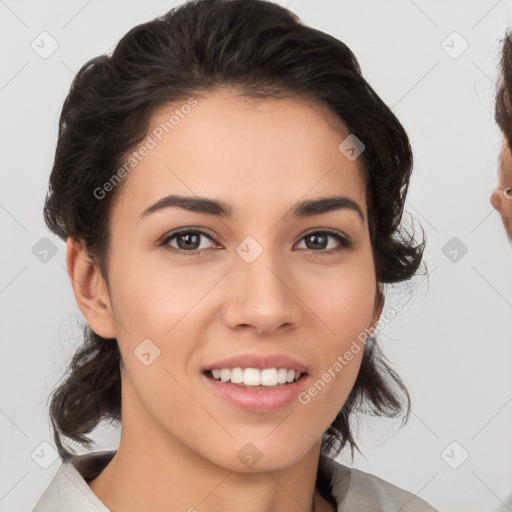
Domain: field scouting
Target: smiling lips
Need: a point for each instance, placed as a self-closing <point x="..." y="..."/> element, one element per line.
<point x="255" y="382"/>
<point x="256" y="370"/>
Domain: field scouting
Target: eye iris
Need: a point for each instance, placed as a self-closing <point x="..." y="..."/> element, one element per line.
<point x="188" y="237"/>
<point x="315" y="237"/>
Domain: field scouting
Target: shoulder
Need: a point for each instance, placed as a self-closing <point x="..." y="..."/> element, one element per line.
<point x="355" y="491"/>
<point x="69" y="490"/>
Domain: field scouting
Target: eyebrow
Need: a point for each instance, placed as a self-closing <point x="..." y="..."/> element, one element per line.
<point x="305" y="208"/>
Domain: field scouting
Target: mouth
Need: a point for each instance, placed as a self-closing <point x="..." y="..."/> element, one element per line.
<point x="254" y="390"/>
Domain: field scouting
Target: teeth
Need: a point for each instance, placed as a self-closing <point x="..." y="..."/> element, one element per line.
<point x="281" y="375"/>
<point x="256" y="377"/>
<point x="237" y="376"/>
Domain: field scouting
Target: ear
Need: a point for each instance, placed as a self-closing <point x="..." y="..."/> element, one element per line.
<point x="379" y="306"/>
<point x="90" y="289"/>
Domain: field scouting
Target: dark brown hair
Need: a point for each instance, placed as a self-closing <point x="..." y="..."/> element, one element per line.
<point x="262" y="50"/>
<point x="503" y="105"/>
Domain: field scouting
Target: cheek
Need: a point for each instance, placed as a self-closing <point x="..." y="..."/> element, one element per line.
<point x="345" y="308"/>
<point x="343" y="300"/>
<point x="153" y="298"/>
<point x="162" y="310"/>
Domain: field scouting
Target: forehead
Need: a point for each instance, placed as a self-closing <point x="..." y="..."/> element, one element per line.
<point x="253" y="153"/>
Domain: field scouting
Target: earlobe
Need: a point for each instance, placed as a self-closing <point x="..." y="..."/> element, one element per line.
<point x="90" y="290"/>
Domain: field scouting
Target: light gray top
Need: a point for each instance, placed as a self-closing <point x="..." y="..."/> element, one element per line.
<point x="353" y="490"/>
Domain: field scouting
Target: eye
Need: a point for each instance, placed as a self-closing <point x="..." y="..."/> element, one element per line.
<point x="188" y="238"/>
<point x="189" y="241"/>
<point x="319" y="237"/>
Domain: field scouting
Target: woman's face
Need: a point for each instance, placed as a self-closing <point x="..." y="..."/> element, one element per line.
<point x="256" y="285"/>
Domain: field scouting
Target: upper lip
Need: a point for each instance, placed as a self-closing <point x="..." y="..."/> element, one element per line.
<point x="259" y="361"/>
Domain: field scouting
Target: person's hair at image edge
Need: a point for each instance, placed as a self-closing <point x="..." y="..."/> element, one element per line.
<point x="503" y="104"/>
<point x="261" y="50"/>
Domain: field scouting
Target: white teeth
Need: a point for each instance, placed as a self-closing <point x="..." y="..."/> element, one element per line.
<point x="237" y="375"/>
<point x="256" y="377"/>
<point x="281" y="375"/>
<point x="269" y="377"/>
<point x="251" y="377"/>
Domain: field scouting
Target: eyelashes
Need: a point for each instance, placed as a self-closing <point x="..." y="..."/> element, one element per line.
<point x="344" y="242"/>
<point x="185" y="231"/>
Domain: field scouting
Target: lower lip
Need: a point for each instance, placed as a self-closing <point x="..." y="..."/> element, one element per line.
<point x="258" y="400"/>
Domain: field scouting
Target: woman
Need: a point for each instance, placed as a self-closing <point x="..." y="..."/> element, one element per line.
<point x="230" y="190"/>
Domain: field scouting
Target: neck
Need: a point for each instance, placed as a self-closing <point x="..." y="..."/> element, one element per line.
<point x="132" y="484"/>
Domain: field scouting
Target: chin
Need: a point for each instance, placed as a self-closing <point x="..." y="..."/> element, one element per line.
<point x="254" y="457"/>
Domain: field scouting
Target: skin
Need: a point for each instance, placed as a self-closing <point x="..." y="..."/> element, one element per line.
<point x="498" y="201"/>
<point x="179" y="440"/>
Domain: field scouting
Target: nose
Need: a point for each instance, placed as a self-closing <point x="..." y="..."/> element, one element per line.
<point x="264" y="296"/>
<point x="496" y="201"/>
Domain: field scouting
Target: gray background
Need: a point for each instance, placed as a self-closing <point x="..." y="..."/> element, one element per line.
<point x="452" y="343"/>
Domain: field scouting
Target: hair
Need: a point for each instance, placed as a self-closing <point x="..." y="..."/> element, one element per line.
<point x="503" y="104"/>
<point x="263" y="51"/>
